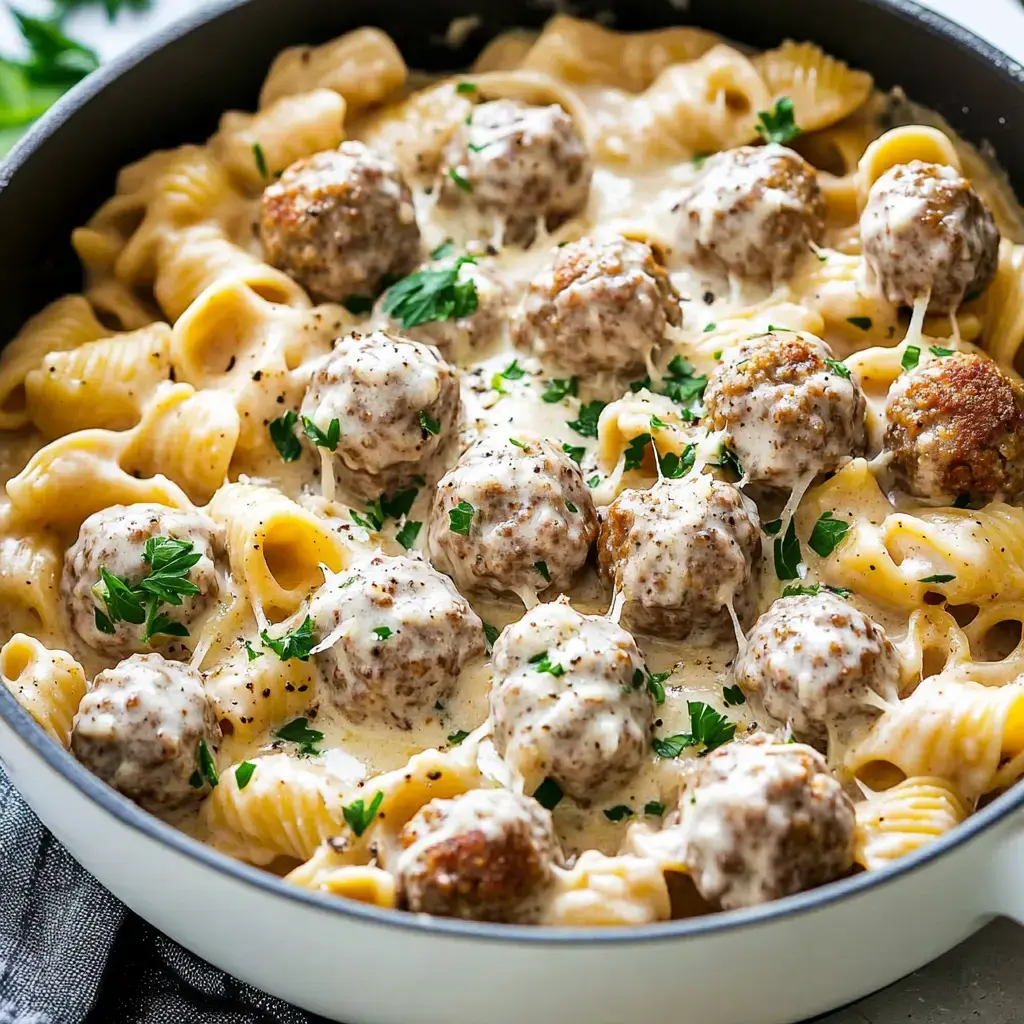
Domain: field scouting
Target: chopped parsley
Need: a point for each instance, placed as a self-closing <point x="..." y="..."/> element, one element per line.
<point x="244" y="773"/>
<point x="772" y="528"/>
<point x="708" y="728"/>
<point x="620" y="812"/>
<point x="575" y="453"/>
<point x="827" y="534"/>
<point x="295" y="645"/>
<point x="383" y="632"/>
<point x="787" y="554"/>
<point x="455" y="738"/>
<point x="305" y="739"/>
<point x="962" y="501"/>
<point x="207" y="766"/>
<point x="460" y="181"/>
<point x="251" y="653"/>
<point x="261" y="161"/>
<point x="511" y="372"/>
<point x="675" y="466"/>
<point x="657" y="423"/>
<point x="863" y="322"/>
<point x="728" y="459"/>
<point x="635" y="451"/>
<point x="369" y="522"/>
<point x="709" y="328"/>
<point x="938" y="578"/>
<point x="911" y="357"/>
<point x="590" y="413"/>
<point x="571" y="507"/>
<point x="432" y="295"/>
<point x="548" y="794"/>
<point x="544" y="664"/>
<point x="407" y="535"/>
<point x="698" y="160"/>
<point x="838" y="368"/>
<point x="940" y="352"/>
<point x="655" y="808"/>
<point x="446" y="248"/>
<point x="327" y="440"/>
<point x="640" y="385"/>
<point x="359" y="305"/>
<point x="656" y="685"/>
<point x="460" y="518"/>
<point x="466" y="87"/>
<point x="282" y="433"/>
<point x="682" y="385"/>
<point x="358" y="816"/>
<point x="733" y="696"/>
<point x="777" y="124"/>
<point x="542" y="568"/>
<point x="795" y="590"/>
<point x="556" y="390"/>
<point x="594" y="480"/>
<point x="491" y="634"/>
<point x="518" y="444"/>
<point x="428" y="424"/>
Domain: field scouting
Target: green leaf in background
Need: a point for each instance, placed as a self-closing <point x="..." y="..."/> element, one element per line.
<point x="112" y="7"/>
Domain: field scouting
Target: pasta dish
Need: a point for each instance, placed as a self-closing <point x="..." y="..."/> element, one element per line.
<point x="582" y="490"/>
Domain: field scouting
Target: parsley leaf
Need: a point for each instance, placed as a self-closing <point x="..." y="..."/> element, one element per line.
<point x="244" y="773"/>
<point x="282" y="433"/>
<point x="446" y="248"/>
<point x="460" y="180"/>
<point x="827" y="534"/>
<point x="466" y="87"/>
<point x="383" y="632"/>
<point x="940" y="352"/>
<point x="518" y="443"/>
<point x="655" y="808"/>
<point x="777" y="124"/>
<point x="542" y="568"/>
<point x="590" y="413"/>
<point x="681" y="384"/>
<point x="772" y="528"/>
<point x="123" y="604"/>
<point x="618" y="813"/>
<point x="543" y="664"/>
<point x="319" y="438"/>
<point x="911" y="357"/>
<point x="656" y="685"/>
<point x="675" y="466"/>
<point x="169" y="561"/>
<point x="460" y="518"/>
<point x="207" y="766"/>
<point x="813" y="590"/>
<point x="430" y="295"/>
<point x="250" y="652"/>
<point x="863" y="322"/>
<point x="707" y="728"/>
<point x="491" y="634"/>
<point x="938" y="578"/>
<point x="394" y="506"/>
<point x="787" y="554"/>
<point x="261" y="161"/>
<point x="574" y="453"/>
<point x="559" y="388"/>
<point x="160" y="624"/>
<point x="728" y="459"/>
<point x="594" y="480"/>
<point x="306" y="739"/>
<point x="372" y="521"/>
<point x="635" y="451"/>
<point x="407" y="535"/>
<point x="548" y="794"/>
<point x="962" y="501"/>
<point x="359" y="816"/>
<point x="640" y="385"/>
<point x="839" y="368"/>
<point x="112" y="7"/>
<point x="294" y="645"/>
<point x="455" y="738"/>
<point x="733" y="696"/>
<point x="428" y="424"/>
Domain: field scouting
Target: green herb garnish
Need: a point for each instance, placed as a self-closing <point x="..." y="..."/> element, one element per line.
<point x="543" y="664"/>
<point x="305" y="739"/>
<point x="559" y="388"/>
<point x="708" y="728"/>
<point x="938" y="578"/>
<point x="319" y="438"/>
<point x="586" y="424"/>
<point x="294" y="645"/>
<point x="282" y="433"/>
<point x="635" y="451"/>
<point x="455" y="738"/>
<point x="428" y="424"/>
<point x="207" y="765"/>
<point x="839" y="368"/>
<point x="407" y="535"/>
<point x="574" y="453"/>
<point x="787" y="554"/>
<point x="777" y="124"/>
<point x="548" y="794"/>
<point x="460" y="181"/>
<point x="655" y="808"/>
<point x="620" y="812"/>
<point x="813" y="590"/>
<point x="244" y="773"/>
<point x="383" y="632"/>
<point x="827" y="534"/>
<point x="432" y="295"/>
<point x="359" y="816"/>
<point x="733" y="696"/>
<point x="911" y="357"/>
<point x="460" y="518"/>
<point x="863" y="322"/>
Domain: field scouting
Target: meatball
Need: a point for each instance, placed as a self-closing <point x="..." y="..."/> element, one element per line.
<point x="520" y="163"/>
<point x="340" y="222"/>
<point x="512" y="516"/>
<point x="682" y="554"/>
<point x="391" y="639"/>
<point x="955" y="426"/>
<point x="142" y="727"/>
<point x="926" y="232"/>
<point x="761" y="820"/>
<point x="752" y="212"/>
<point x="569" y="701"/>
<point x="819" y="664"/>
<point x="396" y="402"/>
<point x="123" y="541"/>
<point x="600" y="306"/>
<point x="789" y="411"/>
<point x="486" y="855"/>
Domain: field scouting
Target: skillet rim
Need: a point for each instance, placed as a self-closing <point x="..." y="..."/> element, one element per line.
<point x="135" y="818"/>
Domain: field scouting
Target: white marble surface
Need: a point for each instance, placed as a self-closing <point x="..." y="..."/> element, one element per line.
<point x="983" y="979"/>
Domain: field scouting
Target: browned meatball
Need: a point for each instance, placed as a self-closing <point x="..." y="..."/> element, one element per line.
<point x="397" y="633"/>
<point x="788" y="409"/>
<point x="141" y="727"/>
<point x="819" y="665"/>
<point x="681" y="554"/>
<point x="486" y="855"/>
<point x="752" y="212"/>
<point x="519" y="163"/>
<point x="761" y="820"/>
<point x="339" y="222"/>
<point x="513" y="515"/>
<point x="397" y="403"/>
<point x="925" y="231"/>
<point x="956" y="426"/>
<point x="602" y="305"/>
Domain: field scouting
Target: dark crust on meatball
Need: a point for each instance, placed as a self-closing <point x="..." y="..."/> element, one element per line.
<point x="472" y="875"/>
<point x="601" y="307"/>
<point x="950" y="247"/>
<point x="965" y="416"/>
<point x="785" y="233"/>
<point x="339" y="221"/>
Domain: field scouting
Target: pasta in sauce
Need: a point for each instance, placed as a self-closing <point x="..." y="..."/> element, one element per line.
<point x="583" y="490"/>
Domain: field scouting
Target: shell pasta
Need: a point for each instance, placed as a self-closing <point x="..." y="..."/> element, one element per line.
<point x="581" y="490"/>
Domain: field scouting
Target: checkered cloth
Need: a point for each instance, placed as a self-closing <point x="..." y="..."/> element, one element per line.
<point x="71" y="953"/>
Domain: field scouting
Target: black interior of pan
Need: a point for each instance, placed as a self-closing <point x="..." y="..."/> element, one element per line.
<point x="178" y="92"/>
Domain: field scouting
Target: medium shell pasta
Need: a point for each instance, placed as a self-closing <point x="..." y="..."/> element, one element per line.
<point x="30" y="565"/>
<point x="49" y="685"/>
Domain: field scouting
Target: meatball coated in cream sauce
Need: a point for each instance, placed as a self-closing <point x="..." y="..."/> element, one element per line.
<point x="396" y="402"/>
<point x="114" y="540"/>
<point x="681" y="555"/>
<point x="955" y="426"/>
<point x="926" y="232"/>
<point x="512" y="516"/>
<point x="139" y="728"/>
<point x="569" y="700"/>
<point x="761" y="820"/>
<point x="752" y="212"/>
<point x="521" y="165"/>
<point x="340" y="222"/>
<point x="601" y="305"/>
<point x="487" y="855"/>
<point x="391" y="639"/>
<point x="788" y="409"/>
<point x="819" y="665"/>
